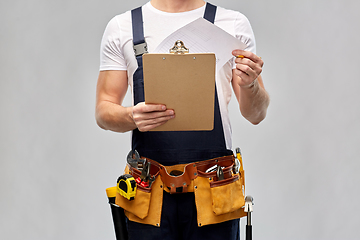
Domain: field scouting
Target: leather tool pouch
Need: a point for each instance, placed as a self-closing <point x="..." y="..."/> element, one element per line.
<point x="219" y="200"/>
<point x="227" y="195"/>
<point x="147" y="205"/>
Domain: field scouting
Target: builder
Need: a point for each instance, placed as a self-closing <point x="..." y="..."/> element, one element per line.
<point x="120" y="67"/>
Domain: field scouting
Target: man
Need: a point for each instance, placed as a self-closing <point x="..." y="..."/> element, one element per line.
<point x="120" y="68"/>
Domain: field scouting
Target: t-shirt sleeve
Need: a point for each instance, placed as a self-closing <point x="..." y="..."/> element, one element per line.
<point x="111" y="54"/>
<point x="244" y="32"/>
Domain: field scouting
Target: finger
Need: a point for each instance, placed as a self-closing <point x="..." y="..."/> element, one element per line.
<point x="245" y="69"/>
<point x="144" y="118"/>
<point x="146" y="108"/>
<point x="245" y="79"/>
<point x="248" y="62"/>
<point x="154" y="108"/>
<point x="156" y="115"/>
<point x="153" y="123"/>
<point x="247" y="54"/>
<point x="249" y="68"/>
<point x="149" y="127"/>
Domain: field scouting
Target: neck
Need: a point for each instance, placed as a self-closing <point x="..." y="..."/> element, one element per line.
<point x="175" y="6"/>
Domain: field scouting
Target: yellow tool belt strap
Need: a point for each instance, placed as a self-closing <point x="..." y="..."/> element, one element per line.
<point x="216" y="200"/>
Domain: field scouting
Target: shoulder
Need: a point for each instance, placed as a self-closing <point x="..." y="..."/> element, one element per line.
<point x="235" y="18"/>
<point x="116" y="44"/>
<point x="236" y="24"/>
<point x="228" y="12"/>
<point x="118" y="31"/>
<point x="119" y="21"/>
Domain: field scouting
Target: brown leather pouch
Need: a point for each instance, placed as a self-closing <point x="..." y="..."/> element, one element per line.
<point x="227" y="195"/>
<point x="147" y="205"/>
<point x="219" y="200"/>
<point x="140" y="205"/>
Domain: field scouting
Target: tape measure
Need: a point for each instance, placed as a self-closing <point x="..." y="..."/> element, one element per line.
<point x="126" y="186"/>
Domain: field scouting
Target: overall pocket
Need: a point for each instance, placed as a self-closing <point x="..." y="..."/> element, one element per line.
<point x="227" y="195"/>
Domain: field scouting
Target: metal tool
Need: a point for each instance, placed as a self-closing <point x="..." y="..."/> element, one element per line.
<point x="237" y="164"/>
<point x="238" y="161"/>
<point x="211" y="169"/>
<point x="145" y="175"/>
<point x="133" y="158"/>
<point x="219" y="173"/>
<point x="151" y="180"/>
<point x="248" y="208"/>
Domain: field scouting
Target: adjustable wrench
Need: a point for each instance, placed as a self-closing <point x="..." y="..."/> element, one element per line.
<point x="133" y="159"/>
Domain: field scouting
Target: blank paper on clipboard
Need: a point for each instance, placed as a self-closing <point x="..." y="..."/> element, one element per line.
<point x="185" y="83"/>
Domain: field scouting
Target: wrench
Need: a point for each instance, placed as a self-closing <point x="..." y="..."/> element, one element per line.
<point x="135" y="162"/>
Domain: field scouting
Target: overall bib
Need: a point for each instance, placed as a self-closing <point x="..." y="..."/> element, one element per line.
<point x="170" y="148"/>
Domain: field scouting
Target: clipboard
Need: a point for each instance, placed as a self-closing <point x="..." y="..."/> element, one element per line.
<point x="184" y="82"/>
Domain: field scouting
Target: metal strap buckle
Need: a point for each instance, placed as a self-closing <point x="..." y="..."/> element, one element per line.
<point x="140" y="49"/>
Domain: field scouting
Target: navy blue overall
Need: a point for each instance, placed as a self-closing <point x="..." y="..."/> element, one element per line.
<point x="178" y="220"/>
<point x="169" y="148"/>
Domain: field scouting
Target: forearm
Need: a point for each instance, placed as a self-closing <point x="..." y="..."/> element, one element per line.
<point x="253" y="102"/>
<point x="114" y="117"/>
<point x="249" y="87"/>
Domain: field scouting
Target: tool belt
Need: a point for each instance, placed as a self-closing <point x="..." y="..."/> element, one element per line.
<point x="223" y="184"/>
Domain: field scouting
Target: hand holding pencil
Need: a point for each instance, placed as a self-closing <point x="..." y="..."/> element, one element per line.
<point x="248" y="67"/>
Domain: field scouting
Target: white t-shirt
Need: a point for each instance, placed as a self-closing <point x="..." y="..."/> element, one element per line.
<point x="117" y="47"/>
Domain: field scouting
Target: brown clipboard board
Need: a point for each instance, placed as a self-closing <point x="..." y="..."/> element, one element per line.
<point x="185" y="83"/>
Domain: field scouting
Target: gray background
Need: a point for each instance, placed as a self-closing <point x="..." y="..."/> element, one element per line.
<point x="301" y="163"/>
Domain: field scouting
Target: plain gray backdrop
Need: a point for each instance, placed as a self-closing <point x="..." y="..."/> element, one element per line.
<point x="302" y="163"/>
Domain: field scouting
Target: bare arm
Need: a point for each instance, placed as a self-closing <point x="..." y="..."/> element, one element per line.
<point x="249" y="87"/>
<point x="111" y="115"/>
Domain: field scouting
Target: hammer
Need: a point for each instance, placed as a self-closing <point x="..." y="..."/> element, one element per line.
<point x="248" y="209"/>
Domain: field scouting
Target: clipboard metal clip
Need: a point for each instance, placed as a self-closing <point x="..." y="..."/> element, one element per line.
<point x="179" y="48"/>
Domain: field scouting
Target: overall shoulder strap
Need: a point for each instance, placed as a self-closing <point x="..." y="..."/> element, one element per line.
<point x="140" y="46"/>
<point x="210" y="12"/>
